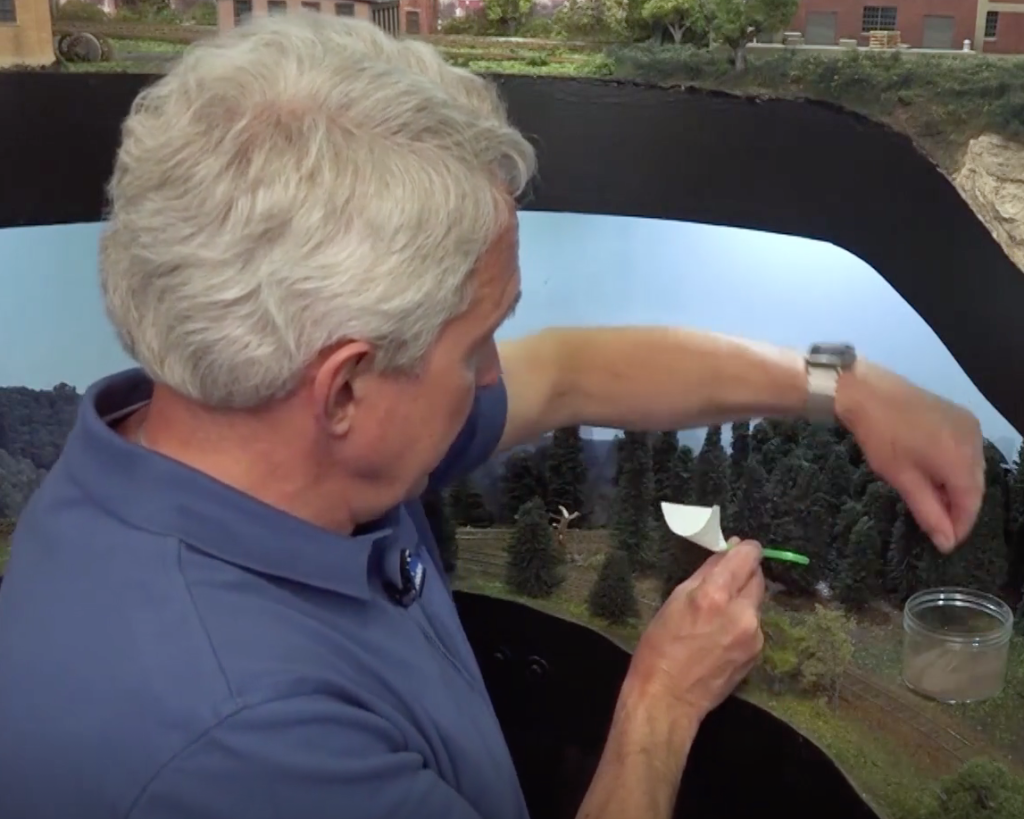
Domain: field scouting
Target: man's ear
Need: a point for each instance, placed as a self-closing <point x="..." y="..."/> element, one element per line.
<point x="337" y="384"/>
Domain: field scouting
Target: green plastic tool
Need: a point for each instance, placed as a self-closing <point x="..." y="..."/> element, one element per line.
<point x="789" y="557"/>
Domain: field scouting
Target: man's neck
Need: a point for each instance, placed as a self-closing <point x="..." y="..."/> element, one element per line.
<point x="264" y="453"/>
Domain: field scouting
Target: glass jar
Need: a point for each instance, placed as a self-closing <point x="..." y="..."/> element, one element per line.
<point x="955" y="644"/>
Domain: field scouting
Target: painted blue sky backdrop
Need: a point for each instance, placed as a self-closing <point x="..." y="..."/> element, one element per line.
<point x="577" y="270"/>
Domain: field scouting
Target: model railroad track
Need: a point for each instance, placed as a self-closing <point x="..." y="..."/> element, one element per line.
<point x="858" y="686"/>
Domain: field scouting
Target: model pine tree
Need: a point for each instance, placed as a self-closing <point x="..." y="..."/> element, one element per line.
<point x="520" y="483"/>
<point x="881" y="503"/>
<point x="633" y="499"/>
<point x="913" y="563"/>
<point x="612" y="598"/>
<point x="739" y="452"/>
<point x="856" y="583"/>
<point x="837" y="479"/>
<point x="566" y="471"/>
<point x="681" y="483"/>
<point x="467" y="505"/>
<point x="533" y="567"/>
<point x="442" y="527"/>
<point x="799" y="522"/>
<point x="750" y="518"/>
<point x="981" y="562"/>
<point x="848" y="517"/>
<point x="1015" y="529"/>
<point x="711" y="470"/>
<point x="663" y="455"/>
<point x="678" y="558"/>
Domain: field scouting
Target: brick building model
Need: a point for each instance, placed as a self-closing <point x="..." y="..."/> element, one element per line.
<point x="394" y="16"/>
<point x="25" y="33"/>
<point x="989" y="27"/>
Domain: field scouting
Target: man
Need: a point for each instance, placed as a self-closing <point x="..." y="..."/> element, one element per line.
<point x="224" y="601"/>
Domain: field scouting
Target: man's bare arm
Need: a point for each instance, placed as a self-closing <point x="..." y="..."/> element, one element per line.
<point x="642" y="764"/>
<point x="644" y="378"/>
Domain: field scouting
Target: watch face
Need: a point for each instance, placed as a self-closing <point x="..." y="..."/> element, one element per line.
<point x="832" y="355"/>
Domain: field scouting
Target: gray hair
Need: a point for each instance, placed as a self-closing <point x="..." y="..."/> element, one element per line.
<point x="295" y="182"/>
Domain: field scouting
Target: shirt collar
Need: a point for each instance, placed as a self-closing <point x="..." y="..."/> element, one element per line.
<point x="161" y="495"/>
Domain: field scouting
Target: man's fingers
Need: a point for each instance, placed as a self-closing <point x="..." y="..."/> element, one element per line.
<point x="927" y="505"/>
<point x="705" y="568"/>
<point x="736" y="568"/>
<point x="754" y="592"/>
<point x="962" y="498"/>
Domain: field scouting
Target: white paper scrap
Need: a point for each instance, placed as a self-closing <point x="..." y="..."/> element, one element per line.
<point x="700" y="524"/>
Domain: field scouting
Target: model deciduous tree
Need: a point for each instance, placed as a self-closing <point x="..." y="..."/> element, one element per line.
<point x="737" y="23"/>
<point x="612" y="598"/>
<point x="533" y="567"/>
<point x="825" y="652"/>
<point x="982" y="787"/>
<point x="686" y="20"/>
<point x="633" y="499"/>
<point x="566" y="470"/>
<point x="507" y="16"/>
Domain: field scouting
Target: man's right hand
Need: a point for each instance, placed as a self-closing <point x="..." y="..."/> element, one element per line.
<point x="695" y="651"/>
<point x="706" y="637"/>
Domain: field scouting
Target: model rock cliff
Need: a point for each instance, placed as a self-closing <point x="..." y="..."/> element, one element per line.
<point x="991" y="179"/>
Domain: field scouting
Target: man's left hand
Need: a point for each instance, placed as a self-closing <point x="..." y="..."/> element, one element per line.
<point x="929" y="449"/>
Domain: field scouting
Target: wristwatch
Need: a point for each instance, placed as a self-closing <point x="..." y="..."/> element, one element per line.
<point x="825" y="363"/>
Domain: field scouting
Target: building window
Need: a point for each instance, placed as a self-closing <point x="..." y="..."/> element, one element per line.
<point x="991" y="24"/>
<point x="878" y="18"/>
<point x="412" y="22"/>
<point x="385" y="16"/>
<point x="243" y="11"/>
<point x="277" y="8"/>
<point x="345" y="9"/>
<point x="309" y="5"/>
<point x="8" y="13"/>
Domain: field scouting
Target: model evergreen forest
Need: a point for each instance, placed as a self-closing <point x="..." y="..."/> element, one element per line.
<point x="788" y="484"/>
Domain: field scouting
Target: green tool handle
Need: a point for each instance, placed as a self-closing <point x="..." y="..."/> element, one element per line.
<point x="789" y="557"/>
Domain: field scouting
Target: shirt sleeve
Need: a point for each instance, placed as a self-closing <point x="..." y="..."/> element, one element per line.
<point x="478" y="439"/>
<point x="311" y="757"/>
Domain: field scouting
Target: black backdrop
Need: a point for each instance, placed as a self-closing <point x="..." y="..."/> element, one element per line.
<point x="793" y="167"/>
<point x="785" y="166"/>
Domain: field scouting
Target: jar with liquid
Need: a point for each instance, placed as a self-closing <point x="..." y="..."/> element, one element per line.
<point x="956" y="644"/>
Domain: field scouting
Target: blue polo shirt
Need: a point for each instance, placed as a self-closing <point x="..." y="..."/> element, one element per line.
<point x="171" y="648"/>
